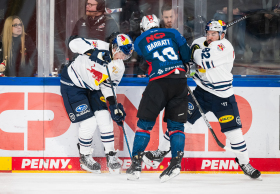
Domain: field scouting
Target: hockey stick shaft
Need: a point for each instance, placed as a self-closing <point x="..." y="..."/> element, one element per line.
<point x="208" y="124"/>
<point x="231" y="23"/>
<point x="115" y="98"/>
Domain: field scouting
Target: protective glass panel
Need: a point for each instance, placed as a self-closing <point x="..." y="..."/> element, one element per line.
<point x="255" y="39"/>
<point x="18" y="52"/>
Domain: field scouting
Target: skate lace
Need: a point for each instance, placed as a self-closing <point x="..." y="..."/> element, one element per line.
<point x="89" y="160"/>
<point x="156" y="153"/>
<point x="113" y="159"/>
<point x="248" y="169"/>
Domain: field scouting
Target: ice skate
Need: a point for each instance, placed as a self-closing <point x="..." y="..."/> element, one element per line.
<point x="154" y="158"/>
<point x="133" y="172"/>
<point x="173" y="169"/>
<point x="113" y="163"/>
<point x="250" y="171"/>
<point x="89" y="164"/>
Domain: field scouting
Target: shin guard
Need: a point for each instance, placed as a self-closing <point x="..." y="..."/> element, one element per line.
<point x="238" y="143"/>
<point x="142" y="135"/>
<point x="86" y="131"/>
<point x="177" y="136"/>
<point x="105" y="124"/>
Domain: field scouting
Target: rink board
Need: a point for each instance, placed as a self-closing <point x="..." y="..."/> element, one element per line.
<point x="36" y="134"/>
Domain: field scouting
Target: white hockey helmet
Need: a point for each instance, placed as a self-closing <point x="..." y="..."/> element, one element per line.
<point x="123" y="43"/>
<point x="148" y="22"/>
<point x="219" y="26"/>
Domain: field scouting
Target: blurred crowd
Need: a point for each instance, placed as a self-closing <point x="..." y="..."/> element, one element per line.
<point x="255" y="39"/>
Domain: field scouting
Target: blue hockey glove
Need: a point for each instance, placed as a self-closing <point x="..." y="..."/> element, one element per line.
<point x="118" y="115"/>
<point x="100" y="56"/>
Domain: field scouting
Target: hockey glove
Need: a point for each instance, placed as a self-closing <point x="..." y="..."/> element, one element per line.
<point x="193" y="67"/>
<point x="118" y="115"/>
<point x="100" y="56"/>
<point x="193" y="48"/>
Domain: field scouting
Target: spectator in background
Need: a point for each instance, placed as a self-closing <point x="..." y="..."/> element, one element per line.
<point x="95" y="24"/>
<point x="18" y="52"/>
<point x="262" y="27"/>
<point x="238" y="29"/>
<point x="169" y="19"/>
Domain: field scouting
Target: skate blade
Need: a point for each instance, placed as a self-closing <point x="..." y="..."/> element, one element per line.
<point x="134" y="176"/>
<point x="89" y="170"/>
<point x="165" y="178"/>
<point x="259" y="178"/>
<point x="115" y="171"/>
<point x="151" y="163"/>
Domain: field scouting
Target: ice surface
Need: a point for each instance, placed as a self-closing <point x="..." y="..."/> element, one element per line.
<point x="88" y="183"/>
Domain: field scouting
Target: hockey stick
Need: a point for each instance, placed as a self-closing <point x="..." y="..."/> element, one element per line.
<point x="233" y="22"/>
<point x="209" y="126"/>
<point x="115" y="98"/>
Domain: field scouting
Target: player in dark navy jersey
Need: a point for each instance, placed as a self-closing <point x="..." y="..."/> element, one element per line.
<point x="167" y="53"/>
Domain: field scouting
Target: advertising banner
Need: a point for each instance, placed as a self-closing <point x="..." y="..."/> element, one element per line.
<point x="36" y="133"/>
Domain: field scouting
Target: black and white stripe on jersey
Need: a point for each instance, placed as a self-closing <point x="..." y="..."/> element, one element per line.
<point x="207" y="64"/>
<point x="86" y="41"/>
<point x="87" y="86"/>
<point x="78" y="77"/>
<point x="217" y="86"/>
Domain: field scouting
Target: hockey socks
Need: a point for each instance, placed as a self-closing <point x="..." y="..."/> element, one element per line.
<point x="86" y="130"/>
<point x="177" y="137"/>
<point x="142" y="135"/>
<point x="238" y="143"/>
<point x="105" y="124"/>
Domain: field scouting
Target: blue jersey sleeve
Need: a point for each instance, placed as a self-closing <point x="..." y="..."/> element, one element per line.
<point x="136" y="47"/>
<point x="179" y="38"/>
<point x="184" y="49"/>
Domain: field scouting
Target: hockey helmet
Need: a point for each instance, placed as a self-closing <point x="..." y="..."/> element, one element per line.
<point x="123" y="43"/>
<point x="148" y="22"/>
<point x="214" y="25"/>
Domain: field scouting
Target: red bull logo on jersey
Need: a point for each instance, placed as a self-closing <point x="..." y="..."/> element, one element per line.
<point x="94" y="43"/>
<point x="221" y="47"/>
<point x="226" y="118"/>
<point x="98" y="76"/>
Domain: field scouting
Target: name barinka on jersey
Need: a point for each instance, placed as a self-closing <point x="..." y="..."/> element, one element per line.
<point x="215" y="63"/>
<point x="85" y="73"/>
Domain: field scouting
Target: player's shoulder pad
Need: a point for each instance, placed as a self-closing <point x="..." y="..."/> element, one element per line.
<point x="199" y="41"/>
<point x="117" y="66"/>
<point x="221" y="45"/>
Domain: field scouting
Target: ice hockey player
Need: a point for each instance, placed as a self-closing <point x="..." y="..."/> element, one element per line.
<point x="166" y="52"/>
<point x="214" y="56"/>
<point x="85" y="88"/>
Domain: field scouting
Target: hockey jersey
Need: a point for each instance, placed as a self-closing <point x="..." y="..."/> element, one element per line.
<point x="165" y="50"/>
<point x="85" y="73"/>
<point x="215" y="63"/>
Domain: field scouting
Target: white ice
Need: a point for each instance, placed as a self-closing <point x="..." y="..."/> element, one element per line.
<point x="88" y="183"/>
